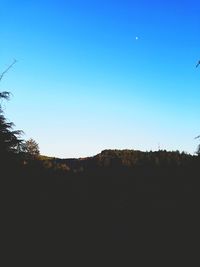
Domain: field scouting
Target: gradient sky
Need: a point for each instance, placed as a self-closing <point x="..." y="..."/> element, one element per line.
<point x="83" y="83"/>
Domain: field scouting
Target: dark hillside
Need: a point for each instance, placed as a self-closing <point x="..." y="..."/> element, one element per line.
<point x="116" y="196"/>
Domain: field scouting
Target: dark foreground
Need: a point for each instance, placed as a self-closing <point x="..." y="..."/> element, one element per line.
<point x="149" y="209"/>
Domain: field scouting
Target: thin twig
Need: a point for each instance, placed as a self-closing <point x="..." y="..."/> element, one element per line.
<point x="6" y="70"/>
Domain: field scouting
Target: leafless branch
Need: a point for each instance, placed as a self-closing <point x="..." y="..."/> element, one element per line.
<point x="6" y="70"/>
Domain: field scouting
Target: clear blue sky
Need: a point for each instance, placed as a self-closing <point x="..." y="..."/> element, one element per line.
<point x="83" y="83"/>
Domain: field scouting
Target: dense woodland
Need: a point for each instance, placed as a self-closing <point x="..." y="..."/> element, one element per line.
<point x="115" y="196"/>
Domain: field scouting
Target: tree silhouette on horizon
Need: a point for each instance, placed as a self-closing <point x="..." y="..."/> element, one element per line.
<point x="9" y="139"/>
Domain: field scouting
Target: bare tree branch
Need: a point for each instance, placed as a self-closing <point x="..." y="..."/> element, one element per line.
<point x="6" y="70"/>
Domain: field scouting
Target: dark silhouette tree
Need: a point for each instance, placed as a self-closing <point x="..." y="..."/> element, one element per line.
<point x="10" y="141"/>
<point x="30" y="147"/>
<point x="198" y="148"/>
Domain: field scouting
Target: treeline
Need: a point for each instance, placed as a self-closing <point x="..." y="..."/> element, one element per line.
<point x="120" y="159"/>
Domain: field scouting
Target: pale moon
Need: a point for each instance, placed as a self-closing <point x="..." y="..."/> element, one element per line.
<point x="136" y="38"/>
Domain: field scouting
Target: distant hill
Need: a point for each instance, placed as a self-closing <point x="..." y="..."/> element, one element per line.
<point x="120" y="159"/>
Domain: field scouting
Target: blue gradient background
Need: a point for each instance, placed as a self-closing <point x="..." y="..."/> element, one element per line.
<point x="83" y="83"/>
